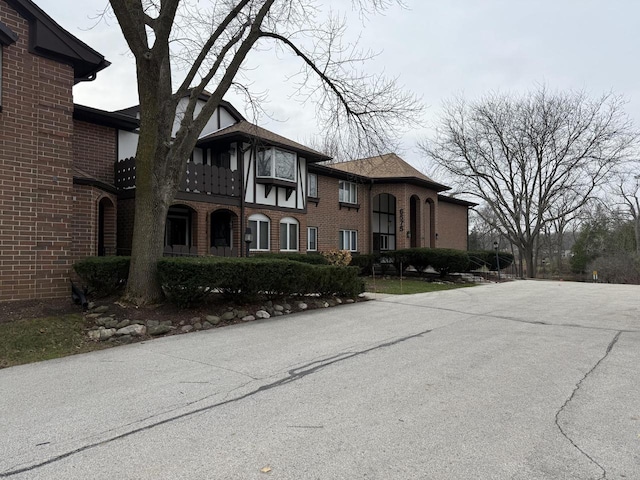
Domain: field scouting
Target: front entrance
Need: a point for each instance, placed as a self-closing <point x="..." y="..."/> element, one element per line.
<point x="384" y="222"/>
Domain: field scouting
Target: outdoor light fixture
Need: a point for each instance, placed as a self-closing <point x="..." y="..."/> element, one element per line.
<point x="495" y="247"/>
<point x="248" y="238"/>
<point x="408" y="234"/>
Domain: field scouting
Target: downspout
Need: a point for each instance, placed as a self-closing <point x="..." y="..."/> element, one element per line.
<point x="241" y="153"/>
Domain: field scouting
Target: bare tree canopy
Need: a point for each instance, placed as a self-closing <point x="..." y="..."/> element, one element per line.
<point x="209" y="42"/>
<point x="533" y="159"/>
<point x="625" y="191"/>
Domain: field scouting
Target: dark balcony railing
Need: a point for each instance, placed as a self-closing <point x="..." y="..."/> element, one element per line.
<point x="206" y="179"/>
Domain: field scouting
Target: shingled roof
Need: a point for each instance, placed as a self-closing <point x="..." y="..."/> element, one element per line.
<point x="247" y="129"/>
<point x="386" y="167"/>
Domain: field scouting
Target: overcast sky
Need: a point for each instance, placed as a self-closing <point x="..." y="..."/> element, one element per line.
<point x="437" y="48"/>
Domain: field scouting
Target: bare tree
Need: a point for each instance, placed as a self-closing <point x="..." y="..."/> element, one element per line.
<point x="211" y="44"/>
<point x="533" y="159"/>
<point x="626" y="190"/>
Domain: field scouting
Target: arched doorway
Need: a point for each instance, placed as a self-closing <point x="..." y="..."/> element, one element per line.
<point x="179" y="233"/>
<point x="384" y="222"/>
<point x="430" y="223"/>
<point x="106" y="227"/>
<point x="223" y="224"/>
<point x="414" y="221"/>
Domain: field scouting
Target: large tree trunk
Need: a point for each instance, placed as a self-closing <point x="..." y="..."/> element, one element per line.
<point x="528" y="254"/>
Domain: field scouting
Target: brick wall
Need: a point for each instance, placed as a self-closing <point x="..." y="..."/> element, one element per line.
<point x="330" y="218"/>
<point x="85" y="221"/>
<point x="35" y="170"/>
<point x="94" y="149"/>
<point x="453" y="225"/>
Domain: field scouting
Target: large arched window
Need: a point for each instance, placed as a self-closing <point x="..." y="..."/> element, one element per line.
<point x="289" y="234"/>
<point x="260" y="226"/>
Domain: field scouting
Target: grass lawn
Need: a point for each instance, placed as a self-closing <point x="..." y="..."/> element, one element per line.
<point x="408" y="286"/>
<point x="32" y="340"/>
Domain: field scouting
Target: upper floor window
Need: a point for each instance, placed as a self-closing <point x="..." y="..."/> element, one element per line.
<point x="275" y="163"/>
<point x="348" y="192"/>
<point x="313" y="185"/>
<point x="289" y="234"/>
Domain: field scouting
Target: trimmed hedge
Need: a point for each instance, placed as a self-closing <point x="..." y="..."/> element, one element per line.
<point x="443" y="260"/>
<point x="186" y="281"/>
<point x="487" y="258"/>
<point x="103" y="275"/>
<point x="365" y="262"/>
<point x="312" y="258"/>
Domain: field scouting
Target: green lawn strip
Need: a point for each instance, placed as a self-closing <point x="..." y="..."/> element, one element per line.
<point x="408" y="286"/>
<point x="33" y="340"/>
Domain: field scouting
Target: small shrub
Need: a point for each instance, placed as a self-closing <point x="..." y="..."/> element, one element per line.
<point x="365" y="262"/>
<point x="103" y="275"/>
<point x="338" y="257"/>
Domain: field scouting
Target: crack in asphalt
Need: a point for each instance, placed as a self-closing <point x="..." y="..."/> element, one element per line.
<point x="575" y="390"/>
<point x="510" y="319"/>
<point x="294" y="374"/>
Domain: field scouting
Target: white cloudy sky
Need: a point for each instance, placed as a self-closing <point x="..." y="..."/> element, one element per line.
<point x="437" y="48"/>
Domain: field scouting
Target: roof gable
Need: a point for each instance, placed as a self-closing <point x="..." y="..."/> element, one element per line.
<point x="50" y="40"/>
<point x="250" y="130"/>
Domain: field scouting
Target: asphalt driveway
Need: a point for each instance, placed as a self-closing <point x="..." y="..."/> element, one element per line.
<point x="523" y="380"/>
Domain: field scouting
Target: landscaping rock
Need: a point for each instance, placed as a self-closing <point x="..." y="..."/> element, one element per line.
<point x="350" y="300"/>
<point x="226" y="316"/>
<point x="197" y="326"/>
<point x="338" y="301"/>
<point x="262" y="314"/>
<point x="278" y="308"/>
<point x="194" y="320"/>
<point x="110" y="322"/>
<point x="277" y="314"/>
<point x="212" y="319"/>
<point x="124" y="323"/>
<point x="101" y="309"/>
<point x="302" y="306"/>
<point x="248" y="318"/>
<point x="133" y="330"/>
<point x="166" y="322"/>
<point x="186" y="328"/>
<point x="207" y="325"/>
<point x="287" y="306"/>
<point x="93" y="315"/>
<point x="152" y="323"/>
<point x="125" y="339"/>
<point x="94" y="335"/>
<point x="91" y="306"/>
<point x="241" y="313"/>
<point x="107" y="333"/>
<point x="158" y="329"/>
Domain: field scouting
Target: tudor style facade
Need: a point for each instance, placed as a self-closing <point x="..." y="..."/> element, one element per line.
<point x="67" y="178"/>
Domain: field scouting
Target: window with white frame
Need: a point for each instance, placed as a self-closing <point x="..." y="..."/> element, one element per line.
<point x="313" y="185"/>
<point x="348" y="240"/>
<point x="289" y="234"/>
<point x="348" y="192"/>
<point x="312" y="239"/>
<point x="275" y="163"/>
<point x="259" y="225"/>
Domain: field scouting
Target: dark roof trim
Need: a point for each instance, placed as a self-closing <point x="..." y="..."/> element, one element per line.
<point x="48" y="39"/>
<point x="332" y="172"/>
<point x="457" y="201"/>
<point x="92" y="182"/>
<point x="107" y="119"/>
<point x="7" y="36"/>
<point x="237" y="116"/>
<point x="438" y="187"/>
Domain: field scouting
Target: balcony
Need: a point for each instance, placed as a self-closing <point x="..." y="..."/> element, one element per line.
<point x="200" y="179"/>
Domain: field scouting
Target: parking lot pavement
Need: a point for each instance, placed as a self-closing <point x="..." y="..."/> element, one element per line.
<point x="522" y="380"/>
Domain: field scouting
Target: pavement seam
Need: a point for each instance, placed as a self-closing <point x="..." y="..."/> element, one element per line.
<point x="293" y="375"/>
<point x="512" y="319"/>
<point x="568" y="400"/>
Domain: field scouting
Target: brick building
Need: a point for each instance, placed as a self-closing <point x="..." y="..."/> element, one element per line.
<point x="67" y="178"/>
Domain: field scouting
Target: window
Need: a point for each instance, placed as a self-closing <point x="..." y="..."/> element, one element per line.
<point x="312" y="239"/>
<point x="259" y="225"/>
<point x="313" y="185"/>
<point x="384" y="222"/>
<point x="276" y="163"/>
<point x="348" y="192"/>
<point x="348" y="240"/>
<point x="289" y="234"/>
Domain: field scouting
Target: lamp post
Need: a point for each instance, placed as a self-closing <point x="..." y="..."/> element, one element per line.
<point x="495" y="247"/>
<point x="248" y="239"/>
